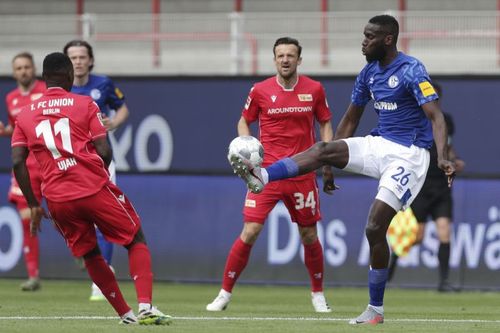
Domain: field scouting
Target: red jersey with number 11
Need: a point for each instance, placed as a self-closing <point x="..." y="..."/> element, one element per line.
<point x="59" y="129"/>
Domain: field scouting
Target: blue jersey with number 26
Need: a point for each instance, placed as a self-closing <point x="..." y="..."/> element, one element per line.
<point x="103" y="92"/>
<point x="398" y="91"/>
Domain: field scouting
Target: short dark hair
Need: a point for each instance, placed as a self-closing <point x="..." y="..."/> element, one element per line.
<point x="26" y="55"/>
<point x="287" y="40"/>
<point x="388" y="23"/>
<point x="80" y="42"/>
<point x="56" y="64"/>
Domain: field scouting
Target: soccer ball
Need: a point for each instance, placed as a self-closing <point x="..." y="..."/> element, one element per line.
<point x="248" y="148"/>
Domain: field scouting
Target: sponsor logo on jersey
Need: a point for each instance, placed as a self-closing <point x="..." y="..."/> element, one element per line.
<point x="36" y="96"/>
<point x="371" y="80"/>
<point x="291" y="109"/>
<point x="305" y="97"/>
<point x="273" y="98"/>
<point x="250" y="203"/>
<point x="95" y="94"/>
<point x="426" y="88"/>
<point x="389" y="106"/>
<point x="15" y="101"/>
<point x="393" y="81"/>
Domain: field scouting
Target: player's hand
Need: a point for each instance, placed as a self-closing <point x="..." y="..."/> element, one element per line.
<point x="37" y="213"/>
<point x="2" y="128"/>
<point x="449" y="170"/>
<point x="107" y="122"/>
<point x="328" y="180"/>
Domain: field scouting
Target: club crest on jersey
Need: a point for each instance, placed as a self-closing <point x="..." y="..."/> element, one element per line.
<point x="95" y="94"/>
<point x="273" y="98"/>
<point x="393" y="81"/>
<point x="305" y="97"/>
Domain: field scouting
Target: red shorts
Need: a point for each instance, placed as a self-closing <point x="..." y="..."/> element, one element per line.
<point x="16" y="196"/>
<point x="109" y="209"/>
<point x="299" y="196"/>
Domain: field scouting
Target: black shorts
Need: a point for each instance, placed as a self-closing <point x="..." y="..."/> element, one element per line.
<point x="433" y="200"/>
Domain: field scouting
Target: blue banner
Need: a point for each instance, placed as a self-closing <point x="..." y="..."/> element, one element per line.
<point x="190" y="223"/>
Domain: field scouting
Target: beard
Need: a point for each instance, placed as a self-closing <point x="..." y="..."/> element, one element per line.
<point x="378" y="53"/>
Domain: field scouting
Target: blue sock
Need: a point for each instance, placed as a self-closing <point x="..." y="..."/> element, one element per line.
<point x="285" y="168"/>
<point x="105" y="246"/>
<point x="377" y="279"/>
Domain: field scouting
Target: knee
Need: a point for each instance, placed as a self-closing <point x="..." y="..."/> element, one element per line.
<point x="374" y="233"/>
<point x="308" y="235"/>
<point x="250" y="232"/>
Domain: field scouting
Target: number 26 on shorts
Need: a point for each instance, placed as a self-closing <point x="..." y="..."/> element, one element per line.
<point x="400" y="176"/>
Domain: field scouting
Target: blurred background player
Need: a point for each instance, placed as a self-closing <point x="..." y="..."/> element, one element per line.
<point x="59" y="129"/>
<point x="435" y="200"/>
<point x="395" y="152"/>
<point x="286" y="106"/>
<point x="28" y="89"/>
<point x="112" y="104"/>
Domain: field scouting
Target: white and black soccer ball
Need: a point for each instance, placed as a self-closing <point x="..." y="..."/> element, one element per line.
<point x="248" y="148"/>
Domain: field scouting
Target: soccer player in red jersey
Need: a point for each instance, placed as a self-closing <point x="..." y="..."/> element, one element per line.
<point x="66" y="134"/>
<point x="28" y="90"/>
<point x="286" y="106"/>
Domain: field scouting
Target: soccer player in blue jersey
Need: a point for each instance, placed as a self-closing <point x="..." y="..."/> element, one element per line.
<point x="396" y="152"/>
<point x="111" y="102"/>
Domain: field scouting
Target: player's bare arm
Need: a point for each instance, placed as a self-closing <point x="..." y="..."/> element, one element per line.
<point x="19" y="155"/>
<point x="243" y="127"/>
<point x="440" y="133"/>
<point x="349" y="122"/>
<point x="103" y="150"/>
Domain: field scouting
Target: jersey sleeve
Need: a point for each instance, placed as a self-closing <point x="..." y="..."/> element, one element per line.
<point x="418" y="83"/>
<point x="251" y="109"/>
<point x="115" y="98"/>
<point x="18" y="137"/>
<point x="96" y="127"/>
<point x="360" y="93"/>
<point x="322" y="110"/>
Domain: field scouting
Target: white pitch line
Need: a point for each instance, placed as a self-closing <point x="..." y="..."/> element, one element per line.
<point x="420" y="320"/>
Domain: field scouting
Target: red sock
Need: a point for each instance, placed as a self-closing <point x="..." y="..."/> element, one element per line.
<point x="139" y="260"/>
<point x="235" y="263"/>
<point x="30" y="250"/>
<point x="313" y="257"/>
<point x="104" y="278"/>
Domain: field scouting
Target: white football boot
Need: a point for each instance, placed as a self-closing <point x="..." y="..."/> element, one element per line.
<point x="220" y="302"/>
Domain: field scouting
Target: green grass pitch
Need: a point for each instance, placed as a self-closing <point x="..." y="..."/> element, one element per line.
<point x="63" y="306"/>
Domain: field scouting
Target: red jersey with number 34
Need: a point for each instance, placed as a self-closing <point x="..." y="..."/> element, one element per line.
<point x="286" y="116"/>
<point x="59" y="129"/>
